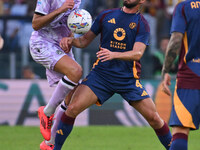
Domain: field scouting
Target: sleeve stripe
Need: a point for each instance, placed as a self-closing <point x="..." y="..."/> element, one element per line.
<point x="39" y="14"/>
<point x="183" y="12"/>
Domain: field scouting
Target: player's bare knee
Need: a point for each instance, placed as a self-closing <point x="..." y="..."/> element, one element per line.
<point x="76" y="73"/>
<point x="72" y="111"/>
<point x="154" y="120"/>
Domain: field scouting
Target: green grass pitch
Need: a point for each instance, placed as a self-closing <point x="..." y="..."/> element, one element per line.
<point x="90" y="138"/>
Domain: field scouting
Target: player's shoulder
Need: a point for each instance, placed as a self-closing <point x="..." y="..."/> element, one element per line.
<point x="107" y="11"/>
<point x="140" y="15"/>
<point x="142" y="19"/>
<point x="184" y="3"/>
<point x="190" y="3"/>
<point x="179" y="7"/>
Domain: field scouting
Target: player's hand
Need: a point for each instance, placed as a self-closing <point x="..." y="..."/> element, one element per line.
<point x="68" y="4"/>
<point x="166" y="83"/>
<point x="104" y="54"/>
<point x="66" y="44"/>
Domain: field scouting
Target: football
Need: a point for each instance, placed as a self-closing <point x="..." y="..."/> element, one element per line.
<point x="79" y="21"/>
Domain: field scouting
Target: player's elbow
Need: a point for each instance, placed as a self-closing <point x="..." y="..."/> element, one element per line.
<point x="35" y="27"/>
<point x="137" y="56"/>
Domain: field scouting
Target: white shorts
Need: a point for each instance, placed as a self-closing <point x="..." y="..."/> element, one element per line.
<point x="48" y="54"/>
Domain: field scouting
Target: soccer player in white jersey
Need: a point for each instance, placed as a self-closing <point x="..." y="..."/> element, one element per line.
<point x="50" y="26"/>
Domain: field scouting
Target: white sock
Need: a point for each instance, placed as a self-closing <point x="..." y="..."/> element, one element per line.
<point x="57" y="117"/>
<point x="64" y="86"/>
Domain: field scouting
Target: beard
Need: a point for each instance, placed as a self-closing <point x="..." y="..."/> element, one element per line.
<point x="131" y="5"/>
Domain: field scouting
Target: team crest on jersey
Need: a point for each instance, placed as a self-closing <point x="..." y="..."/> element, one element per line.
<point x="59" y="52"/>
<point x="132" y="25"/>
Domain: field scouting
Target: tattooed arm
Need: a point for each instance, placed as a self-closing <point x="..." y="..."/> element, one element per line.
<point x="173" y="49"/>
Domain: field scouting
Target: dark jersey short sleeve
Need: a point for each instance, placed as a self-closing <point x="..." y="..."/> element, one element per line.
<point x="143" y="33"/>
<point x="179" y="19"/>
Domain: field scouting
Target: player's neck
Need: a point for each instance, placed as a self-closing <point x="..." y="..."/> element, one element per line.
<point x="130" y="10"/>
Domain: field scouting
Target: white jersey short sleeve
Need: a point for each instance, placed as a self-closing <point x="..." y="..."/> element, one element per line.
<point x="43" y="6"/>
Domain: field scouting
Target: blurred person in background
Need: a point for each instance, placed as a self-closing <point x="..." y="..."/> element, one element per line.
<point x="165" y="16"/>
<point x="26" y="31"/>
<point x="28" y="73"/>
<point x="7" y="4"/>
<point x="5" y="10"/>
<point x="50" y="26"/>
<point x="171" y="4"/>
<point x="150" y="11"/>
<point x="1" y="7"/>
<point x="19" y="8"/>
<point x="162" y="21"/>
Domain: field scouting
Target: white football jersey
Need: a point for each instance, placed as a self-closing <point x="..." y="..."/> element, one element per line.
<point x="57" y="29"/>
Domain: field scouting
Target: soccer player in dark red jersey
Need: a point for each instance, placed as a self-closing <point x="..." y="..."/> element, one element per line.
<point x="124" y="37"/>
<point x="185" y="38"/>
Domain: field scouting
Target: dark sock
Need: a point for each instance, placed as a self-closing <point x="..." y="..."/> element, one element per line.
<point x="179" y="142"/>
<point x="164" y="135"/>
<point x="64" y="129"/>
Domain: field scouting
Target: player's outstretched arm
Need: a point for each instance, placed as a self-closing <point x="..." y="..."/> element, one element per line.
<point x="39" y="21"/>
<point x="132" y="55"/>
